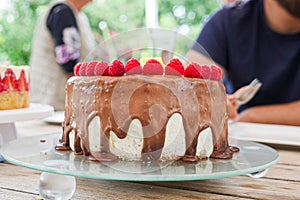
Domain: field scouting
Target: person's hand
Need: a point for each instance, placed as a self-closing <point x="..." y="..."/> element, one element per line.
<point x="232" y="107"/>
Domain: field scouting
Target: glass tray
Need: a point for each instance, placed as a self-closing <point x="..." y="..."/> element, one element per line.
<point x="38" y="153"/>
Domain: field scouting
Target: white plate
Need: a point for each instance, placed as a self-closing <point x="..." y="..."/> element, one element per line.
<point x="34" y="111"/>
<point x="266" y="133"/>
<point x="56" y="118"/>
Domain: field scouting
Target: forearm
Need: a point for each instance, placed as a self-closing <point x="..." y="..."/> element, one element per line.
<point x="287" y="114"/>
<point x="195" y="56"/>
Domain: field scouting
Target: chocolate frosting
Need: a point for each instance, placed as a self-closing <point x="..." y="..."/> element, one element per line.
<point x="152" y="100"/>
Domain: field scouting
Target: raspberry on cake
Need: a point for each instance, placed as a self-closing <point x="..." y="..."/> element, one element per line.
<point x="152" y="67"/>
<point x="149" y="116"/>
<point x="89" y="71"/>
<point x="174" y="67"/>
<point x="133" y="66"/>
<point x="14" y="87"/>
<point x="101" y="69"/>
<point x="116" y="68"/>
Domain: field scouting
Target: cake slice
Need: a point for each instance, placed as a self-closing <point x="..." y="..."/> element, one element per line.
<point x="14" y="87"/>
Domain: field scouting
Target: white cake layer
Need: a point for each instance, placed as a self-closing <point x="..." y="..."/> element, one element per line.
<point x="130" y="147"/>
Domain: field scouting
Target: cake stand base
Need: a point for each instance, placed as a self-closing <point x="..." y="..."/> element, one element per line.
<point x="8" y="132"/>
<point x="8" y="118"/>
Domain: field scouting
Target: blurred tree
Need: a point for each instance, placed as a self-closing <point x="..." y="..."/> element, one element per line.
<point x="17" y="23"/>
<point x="18" y="19"/>
<point x="186" y="16"/>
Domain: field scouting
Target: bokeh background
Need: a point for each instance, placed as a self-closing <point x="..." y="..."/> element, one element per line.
<point x="107" y="17"/>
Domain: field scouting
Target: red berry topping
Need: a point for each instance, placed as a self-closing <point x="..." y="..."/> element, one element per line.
<point x="9" y="80"/>
<point x="77" y="68"/>
<point x="205" y="72"/>
<point x="174" y="67"/>
<point x="216" y="73"/>
<point x="1" y="84"/>
<point x="192" y="70"/>
<point x="89" y="71"/>
<point x="133" y="66"/>
<point x="153" y="67"/>
<point x="82" y="69"/>
<point x="101" y="69"/>
<point x="196" y="71"/>
<point x="22" y="84"/>
<point x="116" y="69"/>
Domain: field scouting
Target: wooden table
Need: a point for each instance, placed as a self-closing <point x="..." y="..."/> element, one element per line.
<point x="281" y="182"/>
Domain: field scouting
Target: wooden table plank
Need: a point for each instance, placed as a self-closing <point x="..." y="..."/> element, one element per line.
<point x="289" y="157"/>
<point x="241" y="186"/>
<point x="15" y="195"/>
<point x="18" y="181"/>
<point x="21" y="180"/>
<point x="285" y="172"/>
<point x="140" y="190"/>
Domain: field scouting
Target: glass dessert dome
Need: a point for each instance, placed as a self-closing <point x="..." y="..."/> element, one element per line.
<point x="39" y="153"/>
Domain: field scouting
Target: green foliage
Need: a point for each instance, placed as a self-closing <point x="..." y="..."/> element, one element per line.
<point x="16" y="30"/>
<point x="17" y="22"/>
<point x="118" y="15"/>
<point x="195" y="12"/>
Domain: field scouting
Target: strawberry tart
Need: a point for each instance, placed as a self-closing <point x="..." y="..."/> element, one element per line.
<point x="14" y="87"/>
<point x="151" y="112"/>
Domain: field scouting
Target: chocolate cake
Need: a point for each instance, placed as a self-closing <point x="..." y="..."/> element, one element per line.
<point x="149" y="99"/>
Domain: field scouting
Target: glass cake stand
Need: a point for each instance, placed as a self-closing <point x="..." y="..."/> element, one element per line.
<point x="38" y="153"/>
<point x="8" y="118"/>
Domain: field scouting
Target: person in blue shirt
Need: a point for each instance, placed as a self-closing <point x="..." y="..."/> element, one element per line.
<point x="257" y="39"/>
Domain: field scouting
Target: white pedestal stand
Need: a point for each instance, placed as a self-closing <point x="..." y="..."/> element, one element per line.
<point x="8" y="118"/>
<point x="8" y="132"/>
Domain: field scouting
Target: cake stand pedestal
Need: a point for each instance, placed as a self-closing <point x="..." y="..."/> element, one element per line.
<point x="8" y="118"/>
<point x="8" y="132"/>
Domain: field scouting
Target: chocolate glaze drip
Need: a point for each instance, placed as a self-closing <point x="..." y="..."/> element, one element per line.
<point x="152" y="100"/>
